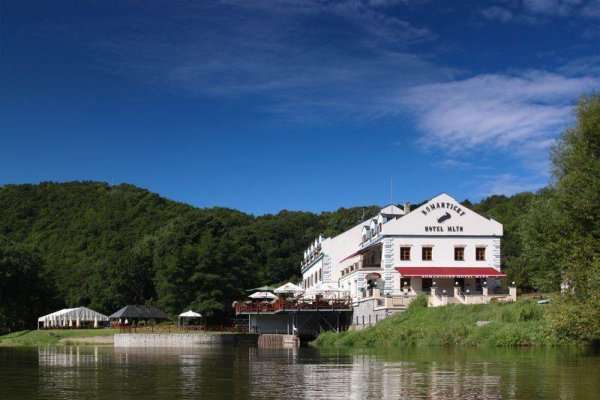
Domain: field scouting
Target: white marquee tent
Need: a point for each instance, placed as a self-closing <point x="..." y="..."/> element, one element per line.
<point x="72" y="317"/>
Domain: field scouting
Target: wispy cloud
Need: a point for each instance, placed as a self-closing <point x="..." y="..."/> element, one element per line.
<point x="304" y="59"/>
<point x="496" y="110"/>
<point x="533" y="10"/>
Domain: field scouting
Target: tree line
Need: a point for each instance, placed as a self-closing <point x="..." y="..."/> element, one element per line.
<point x="90" y="243"/>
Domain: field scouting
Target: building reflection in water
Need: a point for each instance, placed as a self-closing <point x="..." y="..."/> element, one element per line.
<point x="248" y="372"/>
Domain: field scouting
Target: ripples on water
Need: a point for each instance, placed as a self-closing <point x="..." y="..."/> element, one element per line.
<point x="78" y="372"/>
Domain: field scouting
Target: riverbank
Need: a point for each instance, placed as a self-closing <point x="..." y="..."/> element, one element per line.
<point x="523" y="323"/>
<point x="58" y="336"/>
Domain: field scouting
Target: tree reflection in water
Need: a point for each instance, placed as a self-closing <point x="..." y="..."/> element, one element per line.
<point x="77" y="372"/>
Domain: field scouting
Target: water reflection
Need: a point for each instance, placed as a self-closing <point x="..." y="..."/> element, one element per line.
<point x="76" y="372"/>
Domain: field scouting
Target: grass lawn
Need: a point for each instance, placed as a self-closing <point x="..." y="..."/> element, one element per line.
<point x="523" y="323"/>
<point x="50" y="336"/>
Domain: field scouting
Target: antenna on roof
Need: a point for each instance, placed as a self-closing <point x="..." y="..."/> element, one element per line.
<point x="391" y="190"/>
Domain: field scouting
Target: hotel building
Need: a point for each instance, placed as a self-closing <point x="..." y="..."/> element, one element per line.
<point x="441" y="248"/>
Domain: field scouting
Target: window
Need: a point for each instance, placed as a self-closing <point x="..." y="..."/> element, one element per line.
<point x="426" y="253"/>
<point x="405" y="253"/>
<point x="459" y="254"/>
<point x="405" y="283"/>
<point x="480" y="254"/>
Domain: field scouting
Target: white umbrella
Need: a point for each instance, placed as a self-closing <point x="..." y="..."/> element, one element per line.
<point x="262" y="295"/>
<point x="289" y="288"/>
<point x="326" y="289"/>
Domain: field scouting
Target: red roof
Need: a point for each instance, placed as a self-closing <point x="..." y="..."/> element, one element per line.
<point x="449" y="272"/>
<point x="361" y="251"/>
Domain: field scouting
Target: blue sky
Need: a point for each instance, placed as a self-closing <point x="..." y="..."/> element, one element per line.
<point x="303" y="105"/>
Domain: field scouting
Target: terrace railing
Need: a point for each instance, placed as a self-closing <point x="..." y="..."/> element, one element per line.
<point x="280" y="305"/>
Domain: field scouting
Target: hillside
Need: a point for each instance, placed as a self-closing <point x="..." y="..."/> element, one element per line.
<point x="90" y="243"/>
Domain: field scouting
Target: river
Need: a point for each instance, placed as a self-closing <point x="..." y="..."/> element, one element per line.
<point x="80" y="372"/>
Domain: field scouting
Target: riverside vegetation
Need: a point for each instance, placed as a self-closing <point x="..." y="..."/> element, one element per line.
<point x="103" y="246"/>
<point x="52" y="337"/>
<point x="524" y="323"/>
<point x="554" y="239"/>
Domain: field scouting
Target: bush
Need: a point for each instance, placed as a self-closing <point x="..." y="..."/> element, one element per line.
<point x="523" y="323"/>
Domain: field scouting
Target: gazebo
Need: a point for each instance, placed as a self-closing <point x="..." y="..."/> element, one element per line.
<point x="79" y="317"/>
<point x="187" y="316"/>
<point x="136" y="313"/>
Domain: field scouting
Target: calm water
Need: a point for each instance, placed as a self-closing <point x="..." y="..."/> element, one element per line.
<point x="252" y="373"/>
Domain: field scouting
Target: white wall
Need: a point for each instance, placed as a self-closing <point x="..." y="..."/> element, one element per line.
<point x="418" y="228"/>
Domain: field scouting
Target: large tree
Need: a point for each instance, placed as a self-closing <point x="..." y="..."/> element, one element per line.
<point x="576" y="161"/>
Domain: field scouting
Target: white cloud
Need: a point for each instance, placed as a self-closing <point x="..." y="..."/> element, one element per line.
<point x="306" y="59"/>
<point x="496" y="110"/>
<point x="497" y="13"/>
<point x="544" y="8"/>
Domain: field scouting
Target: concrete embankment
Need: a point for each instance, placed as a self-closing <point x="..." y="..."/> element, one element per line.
<point x="182" y="339"/>
<point x="278" y="341"/>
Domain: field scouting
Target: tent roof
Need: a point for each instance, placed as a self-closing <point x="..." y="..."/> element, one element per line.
<point x="362" y="251"/>
<point x="139" y="312"/>
<point x="190" y="314"/>
<point x="289" y="288"/>
<point x="78" y="313"/>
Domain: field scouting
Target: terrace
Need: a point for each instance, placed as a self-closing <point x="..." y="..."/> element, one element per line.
<point x="282" y="305"/>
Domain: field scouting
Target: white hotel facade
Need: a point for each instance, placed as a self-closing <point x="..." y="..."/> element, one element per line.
<point x="441" y="248"/>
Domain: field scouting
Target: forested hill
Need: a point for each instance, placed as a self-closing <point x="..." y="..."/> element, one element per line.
<point x="90" y="243"/>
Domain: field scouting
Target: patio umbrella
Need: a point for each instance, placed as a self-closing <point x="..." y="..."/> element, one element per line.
<point x="263" y="296"/>
<point x="325" y="289"/>
<point x="289" y="288"/>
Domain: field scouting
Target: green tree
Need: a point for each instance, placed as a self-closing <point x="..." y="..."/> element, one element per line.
<point x="24" y="295"/>
<point x="576" y="162"/>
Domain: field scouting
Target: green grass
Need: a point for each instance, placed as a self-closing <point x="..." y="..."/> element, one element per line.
<point x="51" y="336"/>
<point x="523" y="323"/>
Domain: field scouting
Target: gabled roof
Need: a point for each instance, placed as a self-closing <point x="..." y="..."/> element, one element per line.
<point x="443" y="215"/>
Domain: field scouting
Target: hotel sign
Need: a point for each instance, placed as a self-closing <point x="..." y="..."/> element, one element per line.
<point x="443" y="212"/>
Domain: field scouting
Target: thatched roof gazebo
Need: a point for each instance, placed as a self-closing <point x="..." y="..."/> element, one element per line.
<point x="139" y="313"/>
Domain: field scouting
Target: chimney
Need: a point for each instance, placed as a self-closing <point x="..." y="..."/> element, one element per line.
<point x="406" y="208"/>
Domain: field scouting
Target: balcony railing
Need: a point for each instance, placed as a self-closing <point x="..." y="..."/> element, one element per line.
<point x="293" y="305"/>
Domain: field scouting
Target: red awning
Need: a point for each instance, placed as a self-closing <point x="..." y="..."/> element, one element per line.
<point x="449" y="272"/>
<point x="361" y="251"/>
